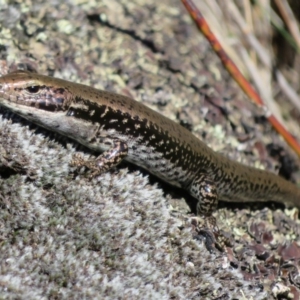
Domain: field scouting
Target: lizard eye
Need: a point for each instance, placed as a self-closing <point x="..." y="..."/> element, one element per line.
<point x="33" y="89"/>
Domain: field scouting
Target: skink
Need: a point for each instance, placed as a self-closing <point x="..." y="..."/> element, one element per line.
<point x="122" y="128"/>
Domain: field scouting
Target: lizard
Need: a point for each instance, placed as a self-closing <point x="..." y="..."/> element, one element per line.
<point x="122" y="128"/>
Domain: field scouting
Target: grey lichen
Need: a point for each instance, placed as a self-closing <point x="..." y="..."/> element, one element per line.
<point x="114" y="236"/>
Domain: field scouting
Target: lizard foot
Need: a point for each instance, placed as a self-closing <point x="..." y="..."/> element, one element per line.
<point x="208" y="231"/>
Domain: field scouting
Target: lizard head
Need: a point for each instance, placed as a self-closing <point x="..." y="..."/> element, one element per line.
<point x="22" y="88"/>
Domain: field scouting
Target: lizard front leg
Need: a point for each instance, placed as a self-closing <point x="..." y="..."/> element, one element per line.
<point x="105" y="161"/>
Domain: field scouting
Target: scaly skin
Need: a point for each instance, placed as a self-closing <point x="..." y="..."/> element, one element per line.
<point x="122" y="128"/>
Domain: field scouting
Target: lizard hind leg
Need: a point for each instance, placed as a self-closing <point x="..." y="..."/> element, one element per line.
<point x="205" y="191"/>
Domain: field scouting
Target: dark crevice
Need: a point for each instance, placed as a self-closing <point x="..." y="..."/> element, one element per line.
<point x="94" y="18"/>
<point x="288" y="166"/>
<point x="26" y="30"/>
<point x="6" y="172"/>
<point x="222" y="109"/>
<point x="166" y="64"/>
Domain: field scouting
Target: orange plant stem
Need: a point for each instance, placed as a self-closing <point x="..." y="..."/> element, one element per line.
<point x="236" y="74"/>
